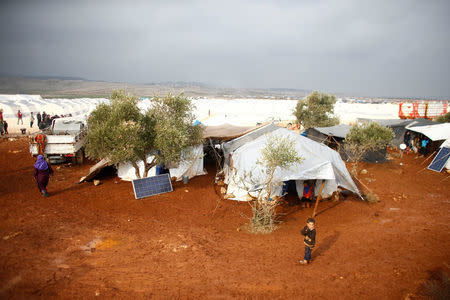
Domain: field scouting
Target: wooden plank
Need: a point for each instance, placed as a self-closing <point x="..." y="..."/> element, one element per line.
<point x="319" y="197"/>
<point x="95" y="170"/>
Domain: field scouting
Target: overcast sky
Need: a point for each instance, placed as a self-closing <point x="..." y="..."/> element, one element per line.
<point x="384" y="48"/>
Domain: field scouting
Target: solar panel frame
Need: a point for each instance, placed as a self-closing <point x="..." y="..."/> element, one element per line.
<point x="440" y="160"/>
<point x="151" y="186"/>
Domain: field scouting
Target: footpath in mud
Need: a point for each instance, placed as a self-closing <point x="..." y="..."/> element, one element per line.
<point x="86" y="241"/>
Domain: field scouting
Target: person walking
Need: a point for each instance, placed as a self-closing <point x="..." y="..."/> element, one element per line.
<point x="309" y="231"/>
<point x="19" y="117"/>
<point x="31" y="120"/>
<point x="42" y="172"/>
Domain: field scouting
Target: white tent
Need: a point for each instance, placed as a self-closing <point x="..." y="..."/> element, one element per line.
<point x="434" y="132"/>
<point x="191" y="165"/>
<point x="446" y="144"/>
<point x="244" y="176"/>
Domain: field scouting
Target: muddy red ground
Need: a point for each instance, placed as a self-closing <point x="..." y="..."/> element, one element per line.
<point x="86" y="241"/>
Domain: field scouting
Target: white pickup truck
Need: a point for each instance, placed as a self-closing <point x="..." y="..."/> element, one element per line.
<point x="64" y="140"/>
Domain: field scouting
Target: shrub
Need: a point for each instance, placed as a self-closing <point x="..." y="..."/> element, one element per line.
<point x="366" y="137"/>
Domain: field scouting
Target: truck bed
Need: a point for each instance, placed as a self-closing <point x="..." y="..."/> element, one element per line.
<point x="60" y="144"/>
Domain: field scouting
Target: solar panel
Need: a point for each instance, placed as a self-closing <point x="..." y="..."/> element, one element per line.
<point x="153" y="185"/>
<point x="440" y="160"/>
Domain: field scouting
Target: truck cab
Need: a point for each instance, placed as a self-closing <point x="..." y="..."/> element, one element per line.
<point x="66" y="126"/>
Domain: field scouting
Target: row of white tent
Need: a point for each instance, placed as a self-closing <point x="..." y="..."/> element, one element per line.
<point x="245" y="177"/>
<point x="211" y="112"/>
<point x="10" y="104"/>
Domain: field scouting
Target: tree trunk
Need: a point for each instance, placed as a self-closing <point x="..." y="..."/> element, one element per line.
<point x="355" y="165"/>
<point x="148" y="166"/>
<point x="136" y="169"/>
<point x="269" y="184"/>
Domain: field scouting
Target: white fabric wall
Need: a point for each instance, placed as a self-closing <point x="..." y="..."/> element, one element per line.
<point x="191" y="165"/>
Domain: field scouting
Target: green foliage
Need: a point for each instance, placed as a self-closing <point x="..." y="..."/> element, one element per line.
<point x="120" y="132"/>
<point x="113" y="130"/>
<point x="366" y="137"/>
<point x="279" y="152"/>
<point x="316" y="110"/>
<point x="174" y="130"/>
<point x="444" y="118"/>
<point x="370" y="136"/>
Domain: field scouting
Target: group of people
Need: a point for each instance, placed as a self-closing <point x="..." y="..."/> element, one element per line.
<point x="416" y="142"/>
<point x="44" y="120"/>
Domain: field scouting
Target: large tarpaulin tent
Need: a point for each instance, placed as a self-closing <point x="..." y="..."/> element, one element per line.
<point x="339" y="131"/>
<point x="230" y="146"/>
<point x="323" y="134"/>
<point x="435" y="132"/>
<point x="245" y="176"/>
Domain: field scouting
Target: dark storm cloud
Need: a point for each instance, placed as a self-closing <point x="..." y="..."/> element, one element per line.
<point x="393" y="48"/>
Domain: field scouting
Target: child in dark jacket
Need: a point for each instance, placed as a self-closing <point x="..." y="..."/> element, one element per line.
<point x="309" y="231"/>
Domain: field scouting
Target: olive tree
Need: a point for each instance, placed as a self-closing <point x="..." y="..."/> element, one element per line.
<point x="278" y="153"/>
<point x="173" y="128"/>
<point x="316" y="110"/>
<point x="366" y="137"/>
<point x="120" y="132"/>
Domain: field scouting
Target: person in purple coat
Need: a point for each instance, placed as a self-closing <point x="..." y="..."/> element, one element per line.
<point x="42" y="172"/>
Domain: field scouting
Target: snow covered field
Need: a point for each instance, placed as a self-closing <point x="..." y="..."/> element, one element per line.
<point x="241" y="112"/>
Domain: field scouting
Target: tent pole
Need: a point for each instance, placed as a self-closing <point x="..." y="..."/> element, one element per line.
<point x="428" y="157"/>
<point x="319" y="197"/>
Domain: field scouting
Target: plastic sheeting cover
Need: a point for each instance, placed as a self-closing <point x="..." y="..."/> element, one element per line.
<point x="191" y="165"/>
<point x="320" y="162"/>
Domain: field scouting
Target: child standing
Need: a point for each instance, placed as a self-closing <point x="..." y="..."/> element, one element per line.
<point x="307" y="195"/>
<point x="309" y="231"/>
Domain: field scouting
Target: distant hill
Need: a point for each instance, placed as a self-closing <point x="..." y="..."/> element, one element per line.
<point x="74" y="87"/>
